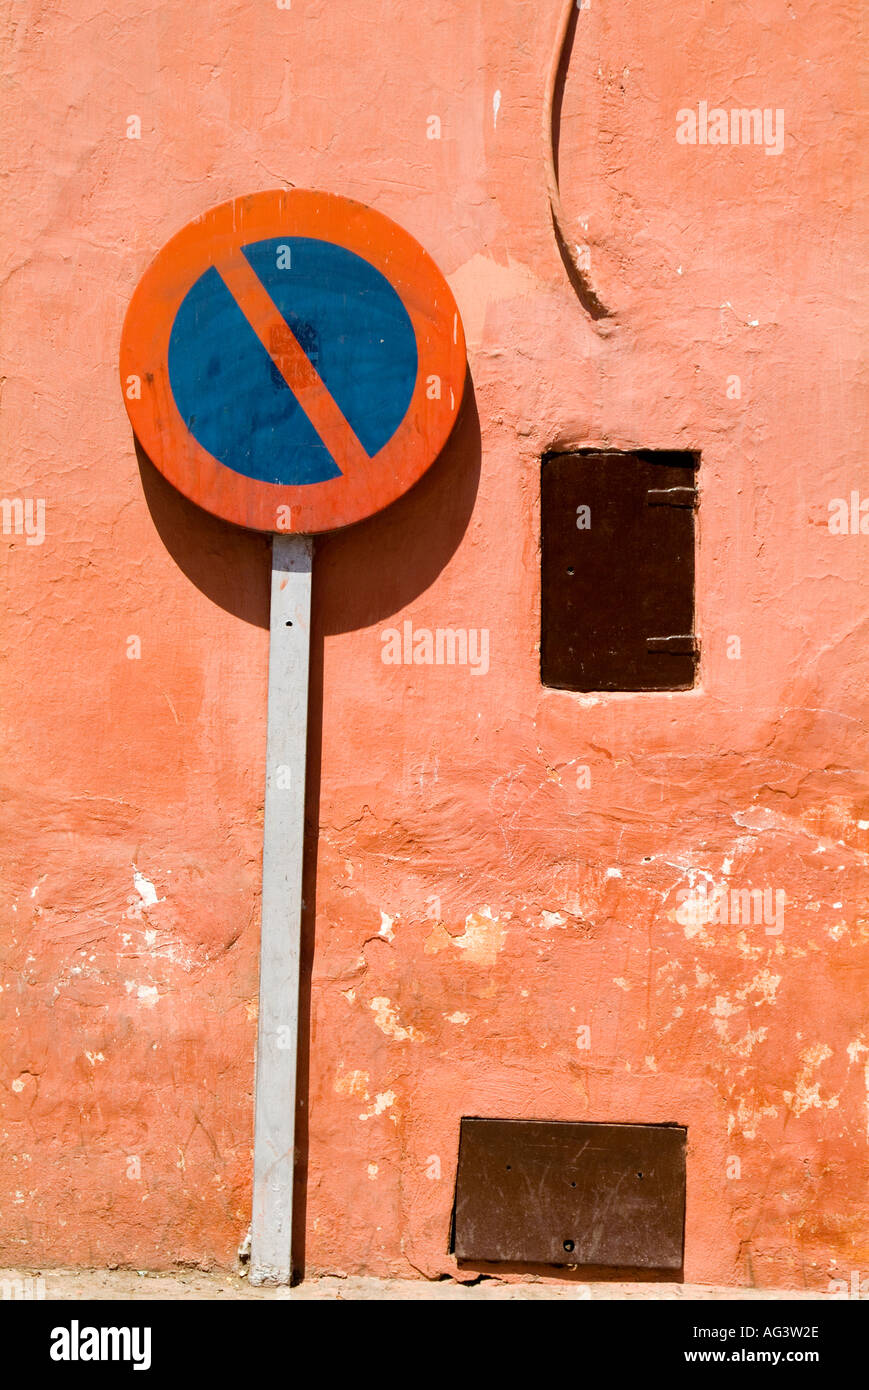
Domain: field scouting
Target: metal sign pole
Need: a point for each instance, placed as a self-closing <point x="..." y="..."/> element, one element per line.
<point x="283" y="844"/>
<point x="340" y="447"/>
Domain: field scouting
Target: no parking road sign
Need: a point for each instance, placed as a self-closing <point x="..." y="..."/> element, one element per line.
<point x="292" y="361"/>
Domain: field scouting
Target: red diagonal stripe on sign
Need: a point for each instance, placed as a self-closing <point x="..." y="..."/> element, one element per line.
<point x="293" y="363"/>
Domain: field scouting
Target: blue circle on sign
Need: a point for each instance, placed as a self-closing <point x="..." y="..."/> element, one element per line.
<point x="350" y="323"/>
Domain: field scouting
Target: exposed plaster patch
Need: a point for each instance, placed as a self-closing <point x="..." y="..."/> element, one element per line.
<point x="145" y="888"/>
<point x="697" y="929"/>
<point x="387" y="1021"/>
<point x="146" y="994"/>
<point x="807" y="1093"/>
<point x="482" y="939"/>
<point x="351" y="1083"/>
<point x="699" y="908"/>
<point x="765" y="984"/>
<point x="745" y="1045"/>
<point x="386" y="926"/>
<point x="854" y="1050"/>
<point x="382" y="1101"/>
<point x="548" y="920"/>
<point x="461" y="1019"/>
<point x="720" y="1014"/>
<point x="748" y="1118"/>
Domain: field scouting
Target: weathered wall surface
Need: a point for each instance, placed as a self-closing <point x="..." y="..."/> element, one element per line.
<point x="475" y="906"/>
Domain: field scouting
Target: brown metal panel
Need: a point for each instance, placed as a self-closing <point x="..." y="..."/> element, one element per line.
<point x="558" y="1193"/>
<point x="626" y="577"/>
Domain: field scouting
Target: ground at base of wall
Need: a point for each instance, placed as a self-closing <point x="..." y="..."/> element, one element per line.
<point x="78" y="1284"/>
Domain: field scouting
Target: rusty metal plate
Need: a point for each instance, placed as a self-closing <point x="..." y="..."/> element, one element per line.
<point x="617" y="603"/>
<point x="557" y="1193"/>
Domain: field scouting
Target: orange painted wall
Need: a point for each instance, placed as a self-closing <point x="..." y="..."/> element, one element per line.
<point x="472" y="908"/>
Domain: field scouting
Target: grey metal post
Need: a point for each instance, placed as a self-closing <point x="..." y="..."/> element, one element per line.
<point x="283" y="843"/>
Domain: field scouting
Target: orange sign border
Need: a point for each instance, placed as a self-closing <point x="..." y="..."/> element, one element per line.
<point x="363" y="490"/>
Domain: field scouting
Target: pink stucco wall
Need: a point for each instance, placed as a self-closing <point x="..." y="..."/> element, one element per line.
<point x="473" y="908"/>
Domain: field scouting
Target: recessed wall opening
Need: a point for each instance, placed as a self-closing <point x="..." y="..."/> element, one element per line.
<point x="617" y="558"/>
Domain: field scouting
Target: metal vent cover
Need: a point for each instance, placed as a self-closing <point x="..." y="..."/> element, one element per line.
<point x="552" y="1192"/>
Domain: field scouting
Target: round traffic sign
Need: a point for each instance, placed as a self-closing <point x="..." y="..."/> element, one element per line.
<point x="292" y="361"/>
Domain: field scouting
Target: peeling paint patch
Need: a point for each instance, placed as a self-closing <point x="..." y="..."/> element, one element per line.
<point x="386" y="1018"/>
<point x="145" y="888"/>
<point x="384" y="1100"/>
<point x="720" y="1013"/>
<point x="854" y="1050"/>
<point x="548" y="920"/>
<point x="146" y="994"/>
<point x="746" y="1044"/>
<point x="484" y="937"/>
<point x="807" y="1095"/>
<point x="351" y="1083"/>
<point x="765" y="984"/>
<point x="748" y="1118"/>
